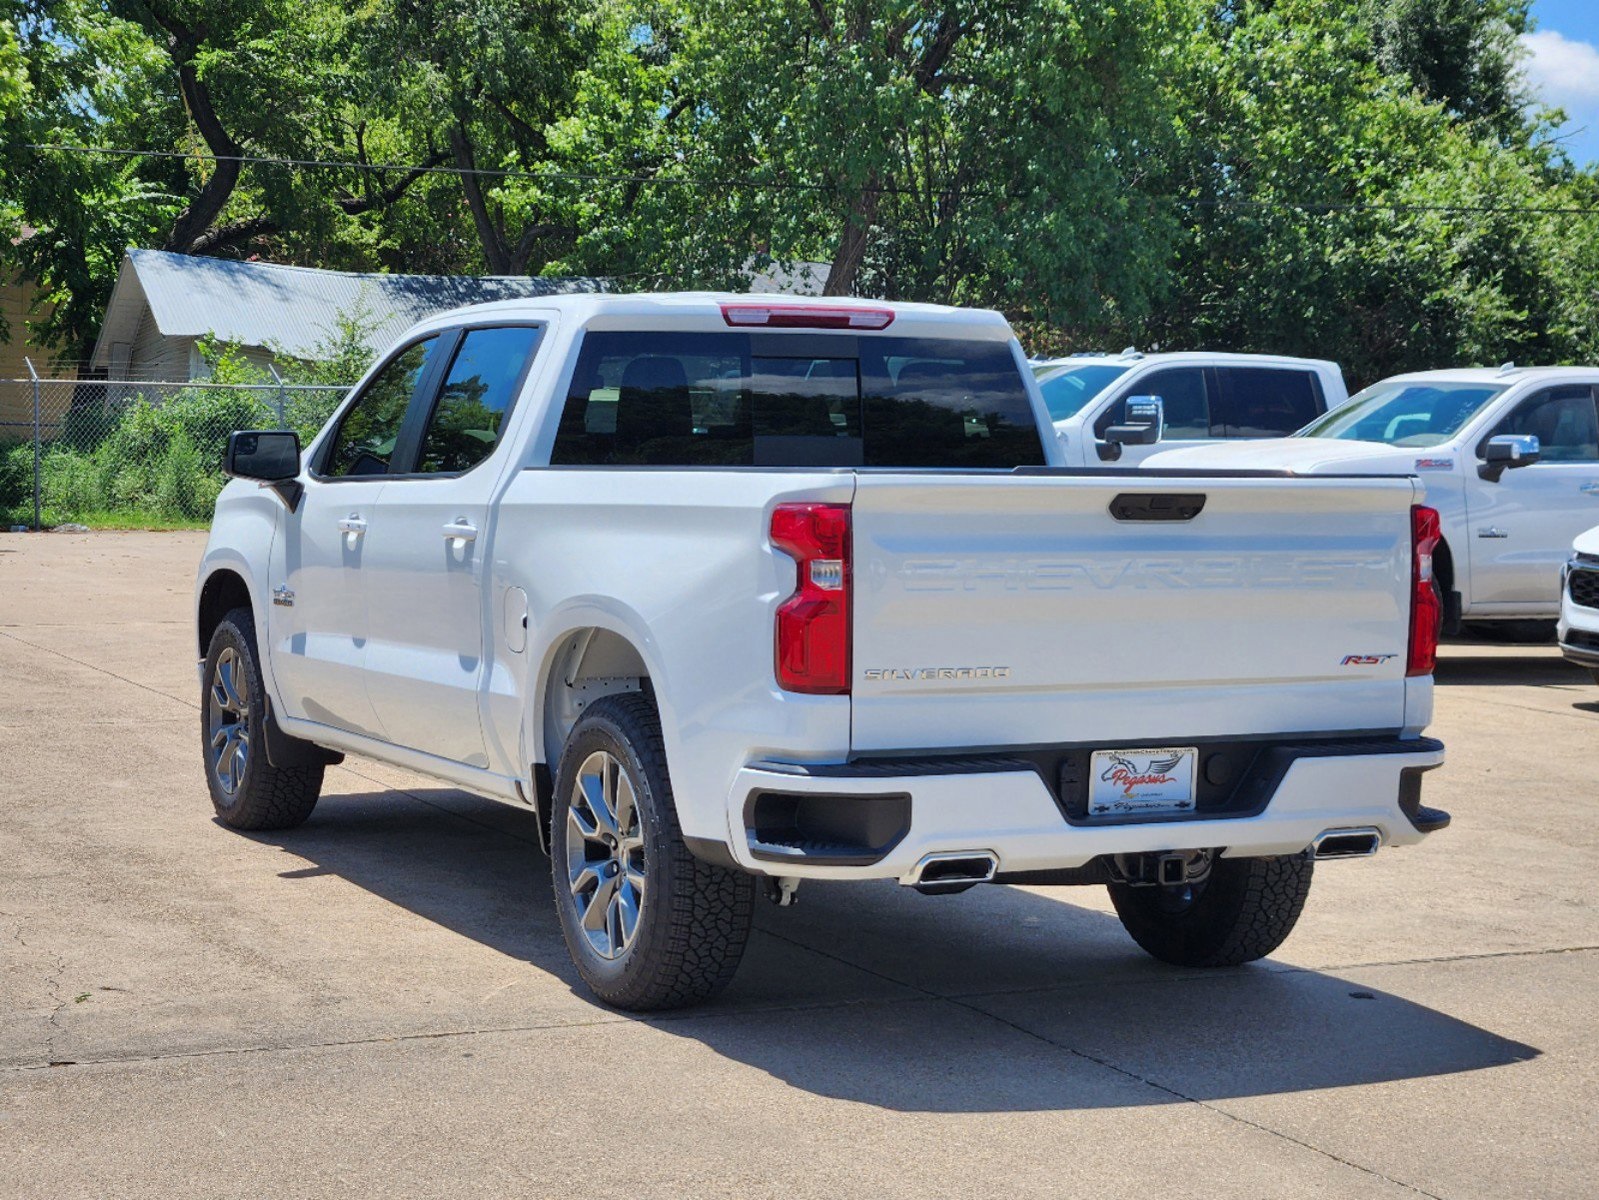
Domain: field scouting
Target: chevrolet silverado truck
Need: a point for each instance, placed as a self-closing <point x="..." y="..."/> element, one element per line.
<point x="1510" y="456"/>
<point x="733" y="592"/>
<point x="1204" y="397"/>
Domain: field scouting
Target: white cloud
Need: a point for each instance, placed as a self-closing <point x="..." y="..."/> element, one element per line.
<point x="1565" y="72"/>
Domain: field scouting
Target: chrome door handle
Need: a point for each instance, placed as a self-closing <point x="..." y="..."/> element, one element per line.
<point x="352" y="524"/>
<point x="1589" y="489"/>
<point x="461" y="530"/>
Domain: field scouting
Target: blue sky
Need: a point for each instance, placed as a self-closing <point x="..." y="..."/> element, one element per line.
<point x="1563" y="64"/>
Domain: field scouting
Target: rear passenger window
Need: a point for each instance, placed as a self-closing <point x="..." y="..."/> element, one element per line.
<point x="478" y="391"/>
<point x="1263" y="402"/>
<point x="775" y="400"/>
<point x="364" y="442"/>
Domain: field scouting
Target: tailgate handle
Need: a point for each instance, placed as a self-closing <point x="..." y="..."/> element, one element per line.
<point x="1157" y="506"/>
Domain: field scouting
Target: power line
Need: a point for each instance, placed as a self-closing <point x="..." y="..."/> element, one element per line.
<point x="486" y="172"/>
<point x="1315" y="206"/>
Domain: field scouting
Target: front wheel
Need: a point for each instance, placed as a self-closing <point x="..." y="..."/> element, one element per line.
<point x="648" y="925"/>
<point x="247" y="791"/>
<point x="1243" y="910"/>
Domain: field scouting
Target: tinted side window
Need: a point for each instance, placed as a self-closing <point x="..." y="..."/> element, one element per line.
<point x="364" y="442"/>
<point x="1263" y="401"/>
<point x="478" y="391"/>
<point x="1564" y="421"/>
<point x="774" y="400"/>
<point x="937" y="403"/>
<point x="1182" y="392"/>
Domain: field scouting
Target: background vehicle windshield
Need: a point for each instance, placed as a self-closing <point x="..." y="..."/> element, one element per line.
<point x="1405" y="414"/>
<point x="1067" y="389"/>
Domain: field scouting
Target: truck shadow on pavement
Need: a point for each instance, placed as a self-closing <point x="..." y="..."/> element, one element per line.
<point x="1540" y="670"/>
<point x="996" y="1000"/>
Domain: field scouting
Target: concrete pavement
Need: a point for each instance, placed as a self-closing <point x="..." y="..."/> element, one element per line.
<point x="379" y="1002"/>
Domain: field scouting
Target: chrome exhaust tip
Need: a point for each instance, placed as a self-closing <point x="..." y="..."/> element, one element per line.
<point x="952" y="871"/>
<point x="1346" y="843"/>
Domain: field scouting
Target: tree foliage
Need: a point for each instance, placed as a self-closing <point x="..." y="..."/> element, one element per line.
<point x="1366" y="180"/>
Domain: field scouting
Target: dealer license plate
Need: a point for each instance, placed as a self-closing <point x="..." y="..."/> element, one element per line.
<point x="1137" y="783"/>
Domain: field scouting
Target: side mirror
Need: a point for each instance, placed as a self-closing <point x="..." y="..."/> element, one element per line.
<point x="1508" y="450"/>
<point x="1144" y="424"/>
<point x="270" y="456"/>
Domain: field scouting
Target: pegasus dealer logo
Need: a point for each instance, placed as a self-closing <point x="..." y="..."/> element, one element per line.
<point x="1126" y="776"/>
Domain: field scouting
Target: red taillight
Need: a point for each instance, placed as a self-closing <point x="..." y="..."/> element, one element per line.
<point x="813" y="623"/>
<point x="1425" y="613"/>
<point x="806" y="316"/>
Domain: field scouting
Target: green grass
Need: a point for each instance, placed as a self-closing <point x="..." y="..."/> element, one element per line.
<point x="123" y="519"/>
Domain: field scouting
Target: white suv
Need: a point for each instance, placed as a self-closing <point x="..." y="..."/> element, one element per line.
<point x="1579" y="603"/>
<point x="1205" y="397"/>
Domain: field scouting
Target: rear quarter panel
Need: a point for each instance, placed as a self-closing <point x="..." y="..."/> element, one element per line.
<point x="677" y="562"/>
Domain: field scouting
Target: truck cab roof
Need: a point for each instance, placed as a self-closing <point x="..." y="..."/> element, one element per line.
<point x="708" y="310"/>
<point x="1207" y="358"/>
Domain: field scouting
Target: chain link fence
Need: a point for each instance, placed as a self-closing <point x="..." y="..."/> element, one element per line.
<point x="104" y="452"/>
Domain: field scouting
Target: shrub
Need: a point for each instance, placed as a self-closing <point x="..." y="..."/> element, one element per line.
<point x="16" y="476"/>
<point x="183" y="485"/>
<point x="70" y="483"/>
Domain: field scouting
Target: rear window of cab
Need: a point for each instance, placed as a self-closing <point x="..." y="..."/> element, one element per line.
<point x="795" y="400"/>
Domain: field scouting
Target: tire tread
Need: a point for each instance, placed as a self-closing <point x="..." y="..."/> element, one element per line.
<point x="273" y="797"/>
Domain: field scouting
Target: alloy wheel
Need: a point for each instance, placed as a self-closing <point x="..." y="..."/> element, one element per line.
<point x="605" y="854"/>
<point x="228" y="721"/>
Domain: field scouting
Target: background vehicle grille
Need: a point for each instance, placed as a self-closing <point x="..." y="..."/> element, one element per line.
<point x="1584" y="588"/>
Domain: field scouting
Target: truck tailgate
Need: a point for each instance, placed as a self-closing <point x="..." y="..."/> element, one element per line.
<point x="1016" y="610"/>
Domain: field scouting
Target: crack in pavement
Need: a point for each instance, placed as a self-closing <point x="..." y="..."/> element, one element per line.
<point x="922" y="995"/>
<point x="52" y="985"/>
<point x="102" y="670"/>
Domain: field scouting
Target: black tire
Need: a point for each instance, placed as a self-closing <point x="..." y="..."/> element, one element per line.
<point x="262" y="796"/>
<point x="1243" y="911"/>
<point x="693" y="920"/>
<point x="1594" y="671"/>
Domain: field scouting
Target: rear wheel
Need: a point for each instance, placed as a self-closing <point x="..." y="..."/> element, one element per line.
<point x="247" y="791"/>
<point x="1242" y="910"/>
<point x="648" y="925"/>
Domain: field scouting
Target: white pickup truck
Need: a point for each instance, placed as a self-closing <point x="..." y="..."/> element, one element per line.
<point x="1510" y="458"/>
<point x="1205" y="396"/>
<point x="733" y="591"/>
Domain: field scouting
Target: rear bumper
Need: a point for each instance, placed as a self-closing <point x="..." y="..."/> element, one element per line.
<point x="1006" y="808"/>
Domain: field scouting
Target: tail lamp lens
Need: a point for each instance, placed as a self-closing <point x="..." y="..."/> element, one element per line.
<point x="1426" y="613"/>
<point x="813" y="634"/>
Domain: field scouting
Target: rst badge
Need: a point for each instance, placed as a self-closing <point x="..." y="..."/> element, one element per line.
<point x="1366" y="660"/>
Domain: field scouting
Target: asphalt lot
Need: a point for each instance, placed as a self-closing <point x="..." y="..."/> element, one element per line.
<point x="379" y="1002"/>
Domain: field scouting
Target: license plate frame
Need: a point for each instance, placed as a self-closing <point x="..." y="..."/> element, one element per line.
<point x="1146" y="781"/>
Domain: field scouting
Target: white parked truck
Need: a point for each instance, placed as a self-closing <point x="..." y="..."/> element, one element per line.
<point x="1510" y="459"/>
<point x="1099" y="403"/>
<point x="734" y="592"/>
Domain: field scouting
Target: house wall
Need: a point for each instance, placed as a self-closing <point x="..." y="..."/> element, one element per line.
<point x="152" y="356"/>
<point x="16" y="400"/>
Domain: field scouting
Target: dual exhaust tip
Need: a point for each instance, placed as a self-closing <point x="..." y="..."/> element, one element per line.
<point x="950" y="872"/>
<point x="1346" y="843"/>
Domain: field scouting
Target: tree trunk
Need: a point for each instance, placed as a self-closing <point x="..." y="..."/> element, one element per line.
<point x="495" y="252"/>
<point x="194" y="220"/>
<point x="851" y="249"/>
